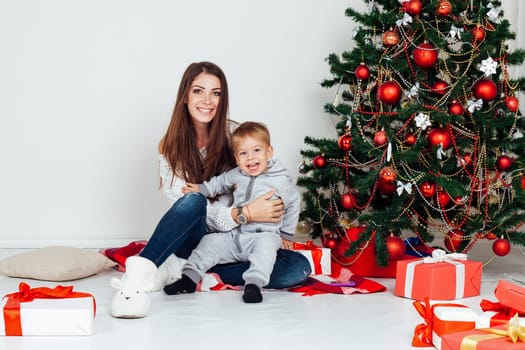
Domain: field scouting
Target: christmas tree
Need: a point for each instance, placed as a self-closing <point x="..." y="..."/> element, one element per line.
<point x="430" y="148"/>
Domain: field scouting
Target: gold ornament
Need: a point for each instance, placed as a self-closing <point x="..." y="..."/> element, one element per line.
<point x="303" y="227"/>
<point x="390" y="38"/>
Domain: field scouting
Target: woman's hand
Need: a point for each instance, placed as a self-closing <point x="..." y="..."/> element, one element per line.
<point x="265" y="209"/>
<point x="190" y="188"/>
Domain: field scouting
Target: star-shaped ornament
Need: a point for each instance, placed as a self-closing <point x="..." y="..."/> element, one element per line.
<point x="488" y="66"/>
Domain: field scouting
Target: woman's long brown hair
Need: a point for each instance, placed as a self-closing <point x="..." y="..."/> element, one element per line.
<point x="178" y="145"/>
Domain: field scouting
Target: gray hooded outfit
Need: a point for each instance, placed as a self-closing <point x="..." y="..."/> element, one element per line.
<point x="256" y="242"/>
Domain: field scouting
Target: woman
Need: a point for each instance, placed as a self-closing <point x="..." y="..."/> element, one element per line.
<point x="197" y="146"/>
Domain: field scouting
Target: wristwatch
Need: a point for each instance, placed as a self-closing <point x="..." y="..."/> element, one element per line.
<point x="240" y="216"/>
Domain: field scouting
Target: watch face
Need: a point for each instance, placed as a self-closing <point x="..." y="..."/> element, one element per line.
<point x="242" y="219"/>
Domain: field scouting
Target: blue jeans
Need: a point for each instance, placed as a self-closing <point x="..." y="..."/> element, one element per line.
<point x="181" y="229"/>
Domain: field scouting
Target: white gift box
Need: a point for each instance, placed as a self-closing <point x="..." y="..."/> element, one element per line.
<point x="68" y="316"/>
<point x="451" y="319"/>
<point x="322" y="266"/>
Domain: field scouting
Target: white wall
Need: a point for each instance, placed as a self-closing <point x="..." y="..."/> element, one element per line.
<point x="87" y="88"/>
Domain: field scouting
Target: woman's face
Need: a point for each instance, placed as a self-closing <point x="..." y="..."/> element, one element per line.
<point x="203" y="98"/>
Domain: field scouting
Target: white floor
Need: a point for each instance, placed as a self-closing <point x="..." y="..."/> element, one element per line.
<point x="285" y="320"/>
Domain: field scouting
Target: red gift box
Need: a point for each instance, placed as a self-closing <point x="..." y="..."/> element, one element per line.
<point x="446" y="279"/>
<point x="497" y="338"/>
<point x="511" y="295"/>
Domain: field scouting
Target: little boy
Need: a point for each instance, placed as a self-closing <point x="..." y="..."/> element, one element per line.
<point x="257" y="242"/>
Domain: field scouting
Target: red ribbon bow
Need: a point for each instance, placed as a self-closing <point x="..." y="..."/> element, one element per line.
<point x="503" y="313"/>
<point x="487" y="305"/>
<point x="317" y="253"/>
<point x="13" y="325"/>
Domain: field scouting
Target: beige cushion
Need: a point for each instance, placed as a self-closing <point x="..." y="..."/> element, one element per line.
<point x="55" y="263"/>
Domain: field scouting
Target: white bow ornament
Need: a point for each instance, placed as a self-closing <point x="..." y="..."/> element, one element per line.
<point x="493" y="14"/>
<point x="404" y="21"/>
<point x="474" y="105"/>
<point x="455" y="32"/>
<point x="403" y="187"/>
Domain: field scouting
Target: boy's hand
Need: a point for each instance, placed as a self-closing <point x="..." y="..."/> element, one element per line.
<point x="287" y="244"/>
<point x="190" y="188"/>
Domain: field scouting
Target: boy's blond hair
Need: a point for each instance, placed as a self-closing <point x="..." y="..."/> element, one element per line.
<point x="256" y="130"/>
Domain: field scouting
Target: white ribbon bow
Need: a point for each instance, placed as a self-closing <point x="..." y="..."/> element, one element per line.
<point x="422" y="121"/>
<point x="493" y="14"/>
<point x="455" y="32"/>
<point x="402" y="1"/>
<point x="474" y="105"/>
<point x="414" y="91"/>
<point x="488" y="66"/>
<point x="440" y="152"/>
<point x="403" y="187"/>
<point x="404" y="21"/>
<point x="517" y="135"/>
<point x="439" y="255"/>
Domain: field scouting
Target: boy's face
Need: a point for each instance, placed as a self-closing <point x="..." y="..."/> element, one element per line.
<point x="252" y="155"/>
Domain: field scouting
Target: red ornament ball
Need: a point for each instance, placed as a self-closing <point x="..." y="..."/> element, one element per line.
<point x="425" y="55"/>
<point x="348" y="201"/>
<point x="380" y="138"/>
<point x="386" y="188"/>
<point x="410" y="139"/>
<point x="485" y="89"/>
<point x="453" y="240"/>
<point x="428" y="189"/>
<point x="345" y="142"/>
<point x="444" y="8"/>
<point x="319" y="161"/>
<point x="412" y="7"/>
<point x="440" y="136"/>
<point x="330" y="243"/>
<point x="396" y="247"/>
<point x="501" y="247"/>
<point x="504" y="162"/>
<point x="443" y="199"/>
<point x="512" y="103"/>
<point x="387" y="174"/>
<point x="362" y="72"/>
<point x="459" y="201"/>
<point x="386" y="183"/>
<point x="478" y="34"/>
<point x="389" y="92"/>
<point x="455" y="108"/>
<point x="522" y="180"/>
<point x="440" y="87"/>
